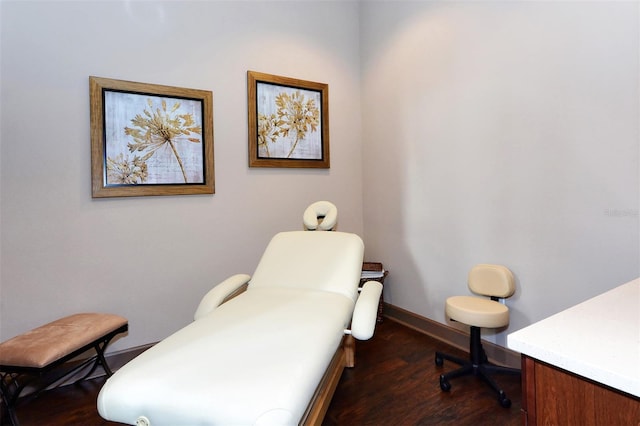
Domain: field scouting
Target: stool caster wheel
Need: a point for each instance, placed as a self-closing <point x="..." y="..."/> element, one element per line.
<point x="505" y="402"/>
<point x="445" y="385"/>
<point x="439" y="360"/>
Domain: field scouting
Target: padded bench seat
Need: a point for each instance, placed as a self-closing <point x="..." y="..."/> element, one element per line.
<point x="40" y="350"/>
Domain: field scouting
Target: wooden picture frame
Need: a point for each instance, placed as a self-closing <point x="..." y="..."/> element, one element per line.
<point x="149" y="139"/>
<point x="288" y="122"/>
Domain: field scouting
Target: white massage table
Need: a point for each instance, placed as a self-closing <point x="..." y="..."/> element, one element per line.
<point x="270" y="355"/>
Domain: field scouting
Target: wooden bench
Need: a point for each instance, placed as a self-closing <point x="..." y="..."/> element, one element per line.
<point x="28" y="357"/>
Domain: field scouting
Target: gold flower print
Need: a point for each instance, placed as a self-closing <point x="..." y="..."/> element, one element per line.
<point x="294" y="118"/>
<point x="150" y="131"/>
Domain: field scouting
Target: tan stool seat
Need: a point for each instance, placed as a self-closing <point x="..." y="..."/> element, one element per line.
<point x="478" y="312"/>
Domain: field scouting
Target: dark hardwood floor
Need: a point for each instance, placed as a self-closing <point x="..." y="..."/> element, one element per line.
<point x="395" y="382"/>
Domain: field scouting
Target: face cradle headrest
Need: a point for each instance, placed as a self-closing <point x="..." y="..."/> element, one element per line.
<point x="321" y="216"/>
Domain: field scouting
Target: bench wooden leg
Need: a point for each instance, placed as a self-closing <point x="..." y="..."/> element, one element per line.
<point x="9" y="399"/>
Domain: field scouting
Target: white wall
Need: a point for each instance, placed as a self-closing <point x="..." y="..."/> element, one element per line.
<point x="152" y="258"/>
<point x="491" y="132"/>
<point x="501" y="132"/>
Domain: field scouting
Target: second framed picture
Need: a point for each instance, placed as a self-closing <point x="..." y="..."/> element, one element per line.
<point x="288" y="122"/>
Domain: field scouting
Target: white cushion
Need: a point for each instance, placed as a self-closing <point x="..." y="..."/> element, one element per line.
<point x="325" y="209"/>
<point x="365" y="314"/>
<point x="256" y="359"/>
<point x="329" y="261"/>
<point x="477" y="311"/>
<point x="491" y="280"/>
<point x="217" y="295"/>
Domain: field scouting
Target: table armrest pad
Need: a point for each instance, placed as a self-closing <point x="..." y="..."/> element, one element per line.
<point x="366" y="311"/>
<point x="216" y="296"/>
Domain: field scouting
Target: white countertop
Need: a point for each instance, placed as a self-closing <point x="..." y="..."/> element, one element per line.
<point x="598" y="339"/>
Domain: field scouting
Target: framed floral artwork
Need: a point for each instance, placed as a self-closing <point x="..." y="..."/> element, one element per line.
<point x="148" y="139"/>
<point x="288" y="122"/>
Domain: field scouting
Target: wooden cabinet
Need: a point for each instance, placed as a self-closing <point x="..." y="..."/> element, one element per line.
<point x="551" y="396"/>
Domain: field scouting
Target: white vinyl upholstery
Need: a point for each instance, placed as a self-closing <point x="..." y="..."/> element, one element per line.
<point x="216" y="296"/>
<point x="366" y="311"/>
<point x="470" y="310"/>
<point x="321" y="216"/>
<point x="491" y="280"/>
<point x="258" y="358"/>
<point x="328" y="261"/>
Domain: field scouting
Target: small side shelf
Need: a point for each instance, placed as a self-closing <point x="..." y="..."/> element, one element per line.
<point x="374" y="271"/>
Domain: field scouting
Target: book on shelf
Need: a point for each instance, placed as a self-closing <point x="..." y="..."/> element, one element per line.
<point x="372" y="274"/>
<point x="372" y="270"/>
